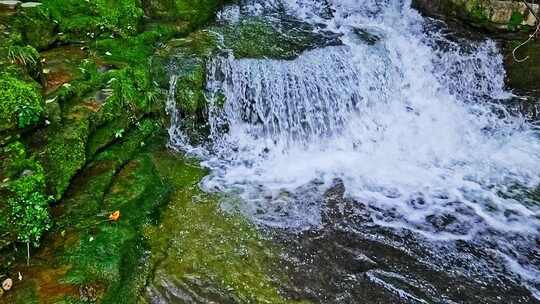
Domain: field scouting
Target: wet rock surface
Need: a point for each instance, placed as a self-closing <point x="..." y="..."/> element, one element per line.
<point x="349" y="258"/>
<point x="490" y="15"/>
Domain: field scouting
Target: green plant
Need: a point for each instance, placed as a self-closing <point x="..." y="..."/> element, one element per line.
<point x="20" y="103"/>
<point x="23" y="55"/>
<point x="96" y="18"/>
<point x="27" y="203"/>
<point x="515" y="21"/>
<point x="30" y="215"/>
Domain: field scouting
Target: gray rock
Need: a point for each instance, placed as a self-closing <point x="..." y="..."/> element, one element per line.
<point x="9" y="5"/>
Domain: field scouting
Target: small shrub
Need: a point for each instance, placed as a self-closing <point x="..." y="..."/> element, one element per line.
<point x="20" y="103"/>
<point x="27" y="203"/>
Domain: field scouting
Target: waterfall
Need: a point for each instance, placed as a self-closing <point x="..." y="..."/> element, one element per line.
<point x="410" y="123"/>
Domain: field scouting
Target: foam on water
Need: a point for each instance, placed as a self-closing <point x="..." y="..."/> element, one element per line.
<point x="409" y="124"/>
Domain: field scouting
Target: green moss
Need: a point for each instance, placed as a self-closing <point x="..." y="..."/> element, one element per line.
<point x="185" y="59"/>
<point x="112" y="253"/>
<point x="133" y="50"/>
<point x="190" y="89"/>
<point x="107" y="134"/>
<point x="258" y="38"/>
<point x="25" y="214"/>
<point x="477" y="11"/>
<point x="37" y="27"/>
<point x="21" y="104"/>
<point x="65" y="152"/>
<point x="88" y="19"/>
<point x="132" y="91"/>
<point x="515" y="21"/>
<point x="193" y="13"/>
<point x="90" y="186"/>
<point x="216" y="255"/>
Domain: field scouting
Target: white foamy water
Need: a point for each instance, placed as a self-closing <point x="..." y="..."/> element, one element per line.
<point x="408" y="124"/>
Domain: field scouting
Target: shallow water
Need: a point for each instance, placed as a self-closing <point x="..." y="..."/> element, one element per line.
<point x="434" y="172"/>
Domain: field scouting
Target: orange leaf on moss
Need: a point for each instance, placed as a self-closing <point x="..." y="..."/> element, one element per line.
<point x="115" y="216"/>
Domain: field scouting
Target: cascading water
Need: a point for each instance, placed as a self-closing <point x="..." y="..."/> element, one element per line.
<point x="408" y="121"/>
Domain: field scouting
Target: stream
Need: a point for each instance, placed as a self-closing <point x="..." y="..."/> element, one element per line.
<point x="387" y="167"/>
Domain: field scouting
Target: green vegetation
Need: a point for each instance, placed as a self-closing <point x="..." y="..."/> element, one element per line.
<point x="26" y="213"/>
<point x="187" y="14"/>
<point x="93" y="19"/>
<point x="515" y="21"/>
<point x="477" y="11"/>
<point x="21" y="105"/>
<point x="24" y="55"/>
<point x="36" y="27"/>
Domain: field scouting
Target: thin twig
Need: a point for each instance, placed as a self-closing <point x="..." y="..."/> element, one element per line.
<point x="531" y="36"/>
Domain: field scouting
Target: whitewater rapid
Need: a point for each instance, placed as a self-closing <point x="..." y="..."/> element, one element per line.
<point x="410" y="122"/>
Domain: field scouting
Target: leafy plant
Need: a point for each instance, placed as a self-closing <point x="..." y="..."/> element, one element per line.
<point x="20" y="103"/>
<point x="28" y="205"/>
<point x="23" y="55"/>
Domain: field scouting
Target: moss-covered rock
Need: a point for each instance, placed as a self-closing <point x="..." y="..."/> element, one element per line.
<point x="203" y="251"/>
<point x="188" y="14"/>
<point x="37" y="26"/>
<point x="113" y="252"/>
<point x="261" y="38"/>
<point x="90" y="19"/>
<point x="21" y="104"/>
<point x="184" y="61"/>
<point x="492" y="15"/>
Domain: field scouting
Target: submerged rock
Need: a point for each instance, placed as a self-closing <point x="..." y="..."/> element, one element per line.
<point x="202" y="254"/>
<point x="36" y="25"/>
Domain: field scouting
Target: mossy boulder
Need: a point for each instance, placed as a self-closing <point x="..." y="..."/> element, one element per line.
<point x="65" y="153"/>
<point x="491" y="15"/>
<point x="21" y="104"/>
<point x="191" y="13"/>
<point x="113" y="252"/>
<point x="262" y="38"/>
<point x="37" y="26"/>
<point x="184" y="61"/>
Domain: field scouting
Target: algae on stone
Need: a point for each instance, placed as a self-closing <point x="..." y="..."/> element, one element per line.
<point x="191" y="13"/>
<point x="37" y="27"/>
<point x="205" y="252"/>
<point x="260" y="38"/>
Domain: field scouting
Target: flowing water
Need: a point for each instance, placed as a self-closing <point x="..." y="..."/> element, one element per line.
<point x="397" y="137"/>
